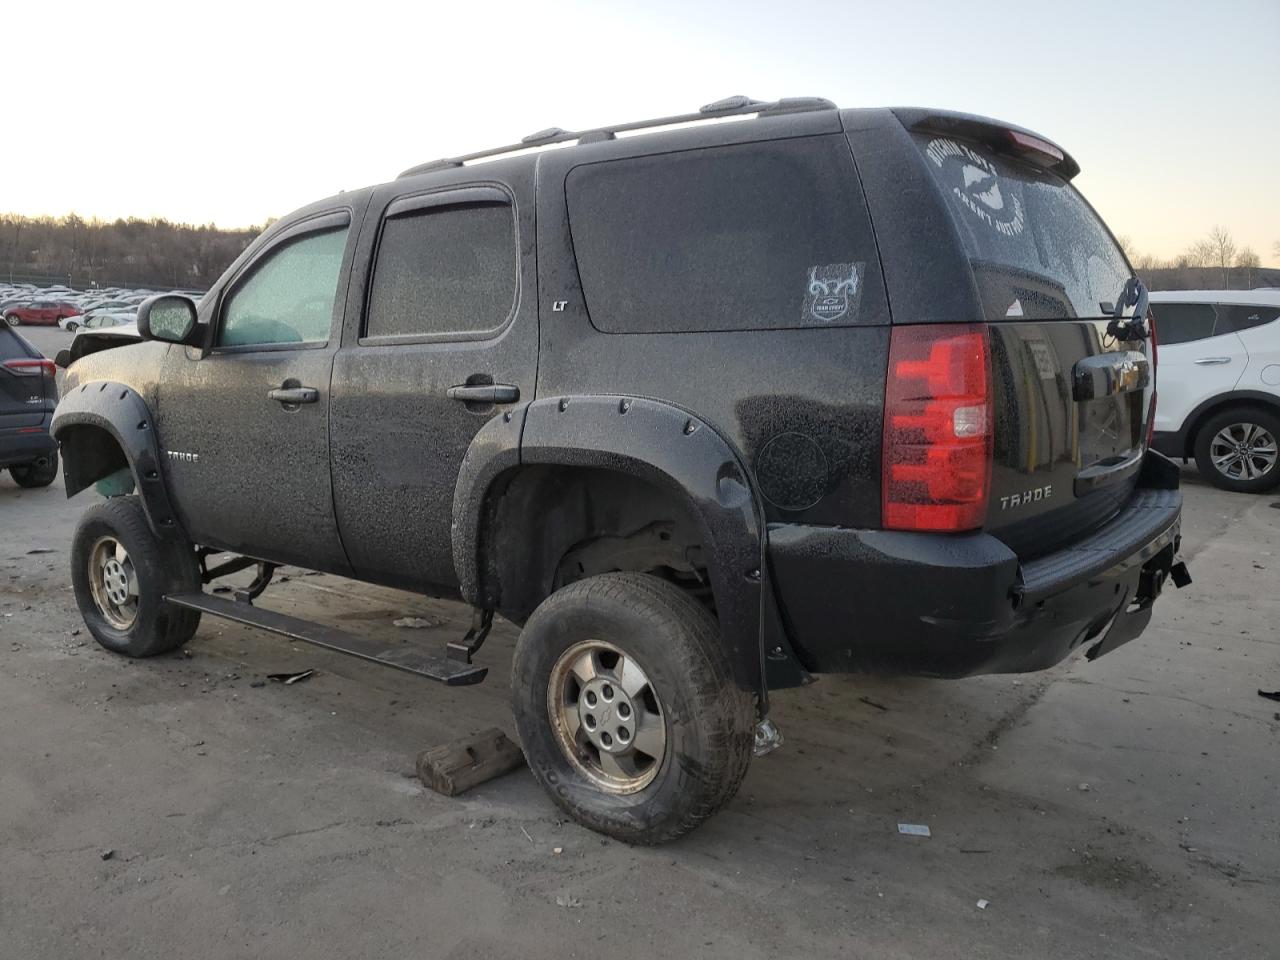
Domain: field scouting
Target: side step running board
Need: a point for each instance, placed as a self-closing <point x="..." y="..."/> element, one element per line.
<point x="454" y="673"/>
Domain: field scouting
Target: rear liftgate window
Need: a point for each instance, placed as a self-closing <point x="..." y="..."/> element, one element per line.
<point x="1038" y="250"/>
<point x="755" y="236"/>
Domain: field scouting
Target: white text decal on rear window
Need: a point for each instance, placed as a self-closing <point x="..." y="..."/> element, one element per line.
<point x="976" y="185"/>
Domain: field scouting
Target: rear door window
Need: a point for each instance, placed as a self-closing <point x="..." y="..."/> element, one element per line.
<point x="1234" y="318"/>
<point x="444" y="270"/>
<point x="1038" y="250"/>
<point x="763" y="235"/>
<point x="1183" y="322"/>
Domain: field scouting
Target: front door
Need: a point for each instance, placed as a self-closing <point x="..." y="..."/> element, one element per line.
<point x="244" y="429"/>
<point x="447" y="300"/>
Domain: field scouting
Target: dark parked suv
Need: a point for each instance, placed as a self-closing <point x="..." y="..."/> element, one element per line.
<point x="28" y="396"/>
<point x="706" y="411"/>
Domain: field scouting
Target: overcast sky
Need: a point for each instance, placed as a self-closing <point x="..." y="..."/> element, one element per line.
<point x="233" y="112"/>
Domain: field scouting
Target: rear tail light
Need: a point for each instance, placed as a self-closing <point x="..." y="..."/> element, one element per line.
<point x="31" y="368"/>
<point x="937" y="428"/>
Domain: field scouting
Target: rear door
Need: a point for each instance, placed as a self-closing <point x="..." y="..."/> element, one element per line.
<point x="441" y="337"/>
<point x="1201" y="357"/>
<point x="1258" y="328"/>
<point x="1071" y="400"/>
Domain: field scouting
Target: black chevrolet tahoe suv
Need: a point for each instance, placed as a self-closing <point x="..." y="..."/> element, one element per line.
<point x="706" y="411"/>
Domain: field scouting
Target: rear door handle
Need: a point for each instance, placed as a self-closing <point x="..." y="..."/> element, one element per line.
<point x="294" y="395"/>
<point x="485" y="393"/>
<point x="1204" y="361"/>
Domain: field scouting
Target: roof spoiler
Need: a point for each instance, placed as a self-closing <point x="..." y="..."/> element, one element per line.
<point x="1000" y="137"/>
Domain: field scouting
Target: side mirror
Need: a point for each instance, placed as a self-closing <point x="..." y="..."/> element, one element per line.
<point x="167" y="317"/>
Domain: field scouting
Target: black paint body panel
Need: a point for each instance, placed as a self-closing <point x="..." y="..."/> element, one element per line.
<point x="398" y="441"/>
<point x="820" y="389"/>
<point x="956" y="605"/>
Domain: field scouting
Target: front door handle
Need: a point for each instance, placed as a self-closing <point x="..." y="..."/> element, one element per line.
<point x="1204" y="361"/>
<point x="294" y="395"/>
<point x="485" y="393"/>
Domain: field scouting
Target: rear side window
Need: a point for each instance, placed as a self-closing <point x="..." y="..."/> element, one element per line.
<point x="444" y="270"/>
<point x="1037" y="249"/>
<point x="1234" y="318"/>
<point x="1183" y="322"/>
<point x="754" y="236"/>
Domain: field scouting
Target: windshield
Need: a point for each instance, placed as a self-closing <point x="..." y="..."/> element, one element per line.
<point x="1038" y="250"/>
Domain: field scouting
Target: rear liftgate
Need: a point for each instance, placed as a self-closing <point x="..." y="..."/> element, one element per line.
<point x="454" y="668"/>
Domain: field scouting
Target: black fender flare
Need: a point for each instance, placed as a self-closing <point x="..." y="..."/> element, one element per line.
<point x="672" y="449"/>
<point x="122" y="413"/>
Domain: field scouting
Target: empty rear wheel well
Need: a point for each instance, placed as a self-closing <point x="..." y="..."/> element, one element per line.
<point x="546" y="526"/>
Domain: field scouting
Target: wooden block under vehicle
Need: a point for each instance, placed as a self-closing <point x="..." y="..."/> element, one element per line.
<point x="461" y="764"/>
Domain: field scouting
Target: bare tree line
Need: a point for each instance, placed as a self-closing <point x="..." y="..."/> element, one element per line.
<point x="132" y="252"/>
<point x="1216" y="255"/>
<point x="159" y="253"/>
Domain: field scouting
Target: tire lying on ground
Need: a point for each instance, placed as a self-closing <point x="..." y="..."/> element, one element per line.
<point x="121" y="572"/>
<point x="626" y="707"/>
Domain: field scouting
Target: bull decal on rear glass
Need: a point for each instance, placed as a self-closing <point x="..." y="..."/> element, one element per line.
<point x="834" y="291"/>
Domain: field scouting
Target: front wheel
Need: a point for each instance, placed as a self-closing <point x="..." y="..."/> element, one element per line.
<point x="627" y="709"/>
<point x="72" y="326"/>
<point x="1238" y="450"/>
<point x="33" y="475"/>
<point x="121" y="572"/>
<point x="12" y="320"/>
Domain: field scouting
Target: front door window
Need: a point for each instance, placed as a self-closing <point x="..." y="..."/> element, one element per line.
<point x="289" y="296"/>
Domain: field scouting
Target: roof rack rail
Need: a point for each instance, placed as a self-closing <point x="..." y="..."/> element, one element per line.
<point x="728" y="107"/>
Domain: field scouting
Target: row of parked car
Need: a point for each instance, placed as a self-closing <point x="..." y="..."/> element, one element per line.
<point x="72" y="309"/>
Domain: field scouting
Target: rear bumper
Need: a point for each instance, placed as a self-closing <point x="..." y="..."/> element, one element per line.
<point x="957" y="605"/>
<point x="18" y="445"/>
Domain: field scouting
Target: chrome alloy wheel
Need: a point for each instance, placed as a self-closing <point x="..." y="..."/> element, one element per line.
<point x="1243" y="451"/>
<point x="607" y="717"/>
<point x="113" y="583"/>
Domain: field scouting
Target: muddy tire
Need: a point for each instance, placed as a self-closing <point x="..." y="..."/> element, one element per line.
<point x="121" y="572"/>
<point x="1237" y="450"/>
<point x="32" y="475"/>
<point x="627" y="709"/>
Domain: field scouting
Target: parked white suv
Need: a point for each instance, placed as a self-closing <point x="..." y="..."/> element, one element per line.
<point x="1219" y="383"/>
